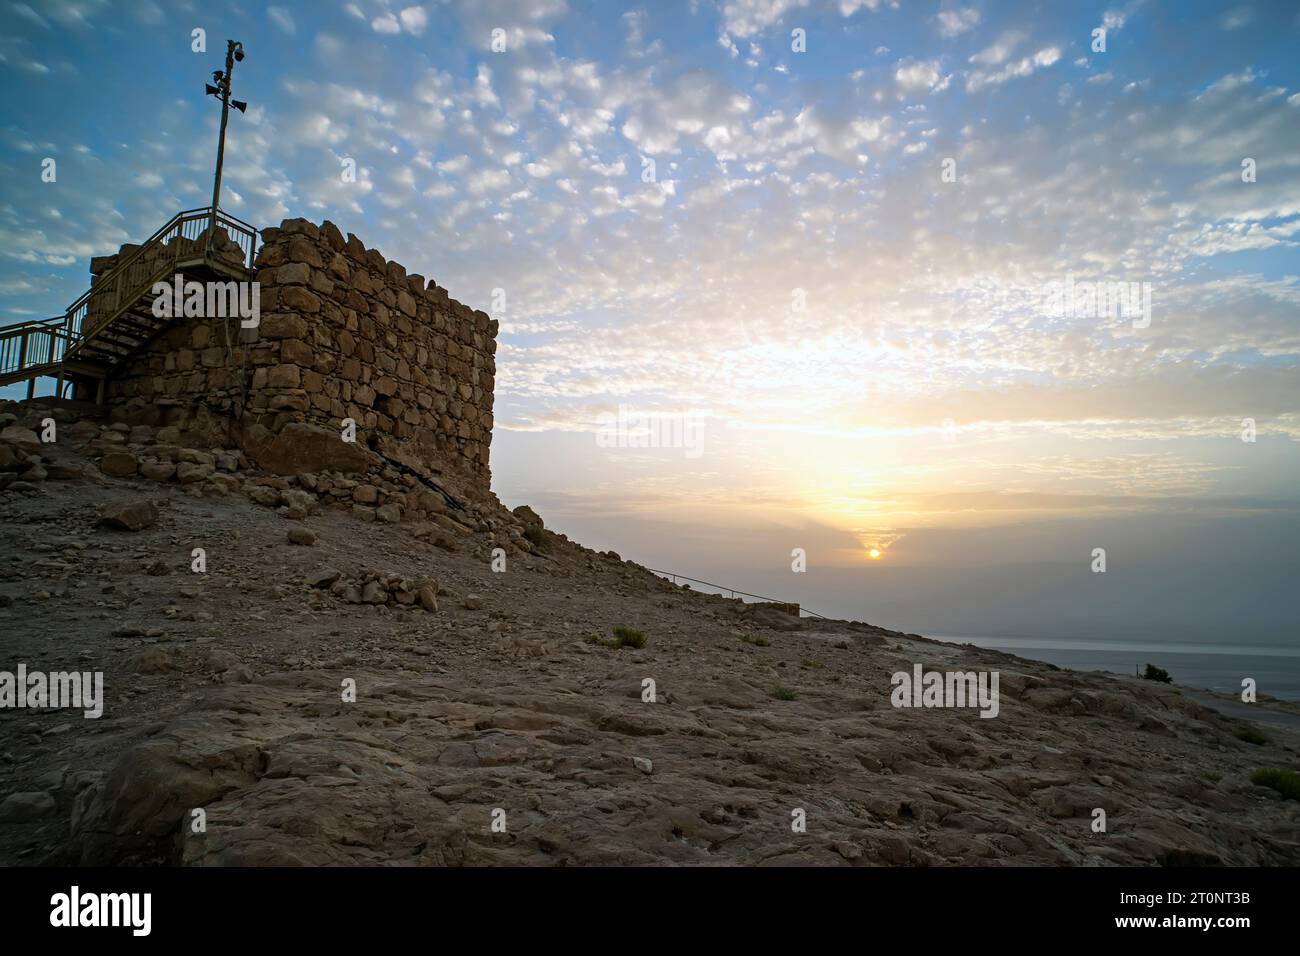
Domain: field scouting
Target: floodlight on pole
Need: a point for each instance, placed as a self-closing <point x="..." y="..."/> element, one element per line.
<point x="220" y="88"/>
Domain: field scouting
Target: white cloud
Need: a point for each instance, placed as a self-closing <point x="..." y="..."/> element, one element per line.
<point x="1021" y="68"/>
<point x="957" y="20"/>
<point x="687" y="106"/>
<point x="744" y="18"/>
<point x="73" y="13"/>
<point x="1236" y="18"/>
<point x="1113" y="20"/>
<point x="1230" y="82"/>
<point x="27" y="13"/>
<point x="148" y="12"/>
<point x="414" y="20"/>
<point x="483" y="92"/>
<point x="915" y="77"/>
<point x="849" y="7"/>
<point x="488" y="180"/>
<point x="282" y="18"/>
<point x="329" y="46"/>
<point x="998" y="51"/>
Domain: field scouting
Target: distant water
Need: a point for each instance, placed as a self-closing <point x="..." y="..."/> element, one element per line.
<point x="1276" y="670"/>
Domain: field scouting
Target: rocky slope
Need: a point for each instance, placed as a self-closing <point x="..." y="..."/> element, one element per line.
<point x="485" y="697"/>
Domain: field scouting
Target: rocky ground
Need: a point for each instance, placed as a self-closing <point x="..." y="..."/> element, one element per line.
<point x="485" y="697"/>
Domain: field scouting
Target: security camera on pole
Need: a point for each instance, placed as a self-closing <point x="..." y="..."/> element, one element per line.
<point x="234" y="54"/>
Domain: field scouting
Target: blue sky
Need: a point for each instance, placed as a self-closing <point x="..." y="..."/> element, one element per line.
<point x="920" y="402"/>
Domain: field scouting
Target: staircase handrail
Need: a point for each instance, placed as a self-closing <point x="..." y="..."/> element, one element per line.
<point x="168" y="233"/>
<point x="67" y="331"/>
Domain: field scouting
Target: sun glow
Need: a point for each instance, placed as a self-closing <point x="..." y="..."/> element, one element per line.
<point x="876" y="553"/>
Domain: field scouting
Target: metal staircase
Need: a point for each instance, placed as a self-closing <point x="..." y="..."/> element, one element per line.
<point x="113" y="321"/>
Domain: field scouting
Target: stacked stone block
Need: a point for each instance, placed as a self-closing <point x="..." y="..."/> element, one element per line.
<point x="344" y="333"/>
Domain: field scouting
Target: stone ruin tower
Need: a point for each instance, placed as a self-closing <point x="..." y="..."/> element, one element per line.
<point x="344" y="334"/>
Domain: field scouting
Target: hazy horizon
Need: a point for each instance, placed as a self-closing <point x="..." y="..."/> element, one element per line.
<point x="1170" y="577"/>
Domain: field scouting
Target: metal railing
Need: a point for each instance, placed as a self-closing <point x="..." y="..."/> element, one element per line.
<point x="30" y="344"/>
<point x="673" y="575"/>
<point x="189" y="238"/>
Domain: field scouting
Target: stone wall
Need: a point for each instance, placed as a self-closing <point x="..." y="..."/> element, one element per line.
<point x="344" y="333"/>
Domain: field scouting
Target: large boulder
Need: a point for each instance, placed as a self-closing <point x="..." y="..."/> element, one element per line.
<point x="21" y="439"/>
<point x="529" y="517"/>
<point x="418" y="453"/>
<point x="303" y="448"/>
<point x="128" y="515"/>
<point x="119" y="464"/>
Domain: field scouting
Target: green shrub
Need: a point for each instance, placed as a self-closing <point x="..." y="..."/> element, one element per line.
<point x="1251" y="735"/>
<point x="1285" y="782"/>
<point x="1157" y="674"/>
<point x="623" y="637"/>
<point x="783" y="693"/>
<point x="756" y="641"/>
<point x="808" y="662"/>
<point x="536" y="536"/>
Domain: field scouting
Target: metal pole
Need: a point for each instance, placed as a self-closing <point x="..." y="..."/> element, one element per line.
<point x="63" y="356"/>
<point x="22" y="363"/>
<point x="224" y="87"/>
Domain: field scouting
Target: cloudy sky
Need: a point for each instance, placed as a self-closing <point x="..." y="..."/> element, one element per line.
<point x="823" y="233"/>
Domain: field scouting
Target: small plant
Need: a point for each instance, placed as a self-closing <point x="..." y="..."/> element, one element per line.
<point x="623" y="637"/>
<point x="756" y="641"/>
<point x="1285" y="782"/>
<point x="1157" y="674"/>
<point x="628" y="637"/>
<point x="811" y="664"/>
<point x="783" y="693"/>
<point x="1251" y="736"/>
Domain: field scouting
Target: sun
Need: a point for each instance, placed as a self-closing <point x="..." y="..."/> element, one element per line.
<point x="876" y="553"/>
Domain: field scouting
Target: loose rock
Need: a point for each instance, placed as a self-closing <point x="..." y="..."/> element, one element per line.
<point x="129" y="515"/>
<point x="26" y="807"/>
<point x="300" y="535"/>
